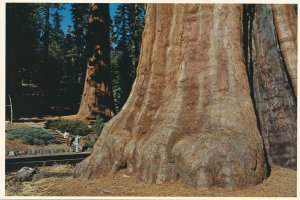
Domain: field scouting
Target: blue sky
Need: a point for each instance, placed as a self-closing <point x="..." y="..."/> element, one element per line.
<point x="66" y="13"/>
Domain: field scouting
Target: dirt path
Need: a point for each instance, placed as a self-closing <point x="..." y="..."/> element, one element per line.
<point x="281" y="183"/>
<point x="39" y="124"/>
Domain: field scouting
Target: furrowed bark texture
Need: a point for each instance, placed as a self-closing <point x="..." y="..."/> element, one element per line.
<point x="273" y="93"/>
<point x="285" y="20"/>
<point x="97" y="94"/>
<point x="190" y="114"/>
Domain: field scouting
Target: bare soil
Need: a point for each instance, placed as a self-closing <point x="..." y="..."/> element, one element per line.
<point x="281" y="183"/>
<point x="38" y="124"/>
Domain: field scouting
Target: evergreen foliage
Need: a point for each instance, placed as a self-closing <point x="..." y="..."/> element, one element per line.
<point x="45" y="67"/>
<point x="71" y="126"/>
<point x="128" y="25"/>
<point x="32" y="136"/>
<point x="80" y="15"/>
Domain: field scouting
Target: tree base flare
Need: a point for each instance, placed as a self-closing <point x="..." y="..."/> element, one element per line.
<point x="200" y="160"/>
<point x="189" y="115"/>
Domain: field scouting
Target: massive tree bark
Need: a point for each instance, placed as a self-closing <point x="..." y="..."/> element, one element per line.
<point x="286" y="27"/>
<point x="273" y="95"/>
<point x="97" y="94"/>
<point x="190" y="114"/>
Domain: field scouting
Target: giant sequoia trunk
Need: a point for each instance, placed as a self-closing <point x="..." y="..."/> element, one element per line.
<point x="97" y="93"/>
<point x="189" y="115"/>
<point x="272" y="68"/>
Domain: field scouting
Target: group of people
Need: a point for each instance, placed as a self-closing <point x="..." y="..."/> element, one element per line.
<point x="72" y="140"/>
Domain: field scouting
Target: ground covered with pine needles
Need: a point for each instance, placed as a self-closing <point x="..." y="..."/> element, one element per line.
<point x="281" y="183"/>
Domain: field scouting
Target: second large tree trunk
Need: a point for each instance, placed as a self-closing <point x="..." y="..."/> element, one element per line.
<point x="97" y="94"/>
<point x="190" y="114"/>
<point x="270" y="62"/>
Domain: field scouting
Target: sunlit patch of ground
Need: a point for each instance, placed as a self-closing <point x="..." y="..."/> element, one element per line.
<point x="281" y="183"/>
<point x="17" y="144"/>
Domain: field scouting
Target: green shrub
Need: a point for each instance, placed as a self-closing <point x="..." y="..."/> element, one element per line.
<point x="71" y="126"/>
<point x="98" y="125"/>
<point x="31" y="135"/>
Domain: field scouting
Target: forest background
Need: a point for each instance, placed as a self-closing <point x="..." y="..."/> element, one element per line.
<point x="46" y="55"/>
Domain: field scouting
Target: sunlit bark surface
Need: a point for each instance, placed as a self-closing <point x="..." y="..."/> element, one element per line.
<point x="189" y="115"/>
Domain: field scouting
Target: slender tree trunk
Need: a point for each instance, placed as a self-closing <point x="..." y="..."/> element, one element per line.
<point x="189" y="115"/>
<point x="272" y="92"/>
<point x="97" y="94"/>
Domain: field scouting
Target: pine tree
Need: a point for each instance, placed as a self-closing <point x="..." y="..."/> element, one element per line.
<point x="80" y="14"/>
<point x="127" y="36"/>
<point x="50" y="71"/>
<point x="116" y="80"/>
<point x="56" y="48"/>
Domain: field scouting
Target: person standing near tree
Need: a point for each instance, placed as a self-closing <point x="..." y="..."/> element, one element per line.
<point x="67" y="137"/>
<point x="77" y="143"/>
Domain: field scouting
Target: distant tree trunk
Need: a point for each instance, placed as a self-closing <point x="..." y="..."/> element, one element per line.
<point x="269" y="64"/>
<point x="97" y="94"/>
<point x="189" y="115"/>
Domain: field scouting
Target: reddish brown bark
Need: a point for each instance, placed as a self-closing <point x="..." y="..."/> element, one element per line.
<point x="189" y="115"/>
<point x="97" y="94"/>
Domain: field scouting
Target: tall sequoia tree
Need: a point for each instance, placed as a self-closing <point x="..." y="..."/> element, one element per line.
<point x="97" y="93"/>
<point x="194" y="112"/>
